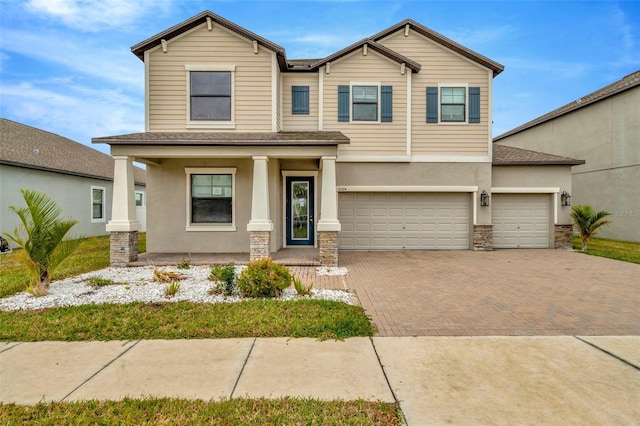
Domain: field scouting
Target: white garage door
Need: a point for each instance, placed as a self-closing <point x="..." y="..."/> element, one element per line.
<point x="377" y="221"/>
<point x="520" y="220"/>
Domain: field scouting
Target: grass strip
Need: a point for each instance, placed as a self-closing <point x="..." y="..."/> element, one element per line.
<point x="93" y="254"/>
<point x="170" y="411"/>
<point x="613" y="249"/>
<point x="322" y="319"/>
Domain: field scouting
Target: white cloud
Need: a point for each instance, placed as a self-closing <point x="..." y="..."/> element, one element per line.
<point x="115" y="65"/>
<point x="95" y="15"/>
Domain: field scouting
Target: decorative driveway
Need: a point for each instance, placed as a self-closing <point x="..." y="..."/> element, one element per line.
<point x="504" y="292"/>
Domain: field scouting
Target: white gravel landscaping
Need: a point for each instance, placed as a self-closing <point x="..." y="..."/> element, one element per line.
<point x="137" y="285"/>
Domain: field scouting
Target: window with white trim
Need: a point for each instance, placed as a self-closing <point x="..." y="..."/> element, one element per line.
<point x="98" y="211"/>
<point x="139" y="199"/>
<point x="365" y="103"/>
<point x="453" y="104"/>
<point x="211" y="199"/>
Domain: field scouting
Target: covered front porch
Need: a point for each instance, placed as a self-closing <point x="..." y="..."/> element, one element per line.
<point x="256" y="215"/>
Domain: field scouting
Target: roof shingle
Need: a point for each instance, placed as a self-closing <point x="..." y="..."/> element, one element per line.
<point x="26" y="146"/>
<point x="504" y="155"/>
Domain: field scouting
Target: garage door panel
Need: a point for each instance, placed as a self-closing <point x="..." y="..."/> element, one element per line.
<point x="520" y="220"/>
<point x="404" y="220"/>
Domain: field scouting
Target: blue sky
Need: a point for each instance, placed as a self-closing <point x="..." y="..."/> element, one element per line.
<point x="66" y="65"/>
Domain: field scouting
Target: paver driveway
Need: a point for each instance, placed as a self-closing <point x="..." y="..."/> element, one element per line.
<point x="504" y="292"/>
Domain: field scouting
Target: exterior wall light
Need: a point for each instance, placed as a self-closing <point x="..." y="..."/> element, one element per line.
<point x="565" y="198"/>
<point x="484" y="199"/>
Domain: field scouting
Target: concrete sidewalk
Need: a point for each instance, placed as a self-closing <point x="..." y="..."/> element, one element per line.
<point x="459" y="380"/>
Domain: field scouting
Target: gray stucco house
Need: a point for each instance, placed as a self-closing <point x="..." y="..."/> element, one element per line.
<point x="385" y="144"/>
<point x="77" y="177"/>
<point x="602" y="128"/>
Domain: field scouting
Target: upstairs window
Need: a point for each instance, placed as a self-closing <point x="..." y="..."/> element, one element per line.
<point x="210" y="95"/>
<point x="365" y="103"/>
<point x="452" y="104"/>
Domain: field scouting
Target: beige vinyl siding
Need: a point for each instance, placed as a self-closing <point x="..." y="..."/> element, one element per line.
<point x="442" y="66"/>
<point x="168" y="91"/>
<point x="381" y="139"/>
<point x="300" y="122"/>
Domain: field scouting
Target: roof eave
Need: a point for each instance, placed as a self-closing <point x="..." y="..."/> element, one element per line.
<point x="496" y="67"/>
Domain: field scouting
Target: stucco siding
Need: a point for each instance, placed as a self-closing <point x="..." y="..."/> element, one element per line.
<point x="380" y="139"/>
<point x="167" y="86"/>
<point x="605" y="135"/>
<point x="72" y="193"/>
<point x="442" y="66"/>
<point x="300" y="122"/>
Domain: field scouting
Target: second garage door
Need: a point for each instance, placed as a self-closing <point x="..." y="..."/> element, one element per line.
<point x="520" y="220"/>
<point x="378" y="221"/>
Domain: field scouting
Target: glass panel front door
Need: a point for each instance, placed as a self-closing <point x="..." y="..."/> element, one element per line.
<point x="300" y="209"/>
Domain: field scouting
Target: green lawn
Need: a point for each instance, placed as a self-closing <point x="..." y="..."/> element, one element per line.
<point x="168" y="411"/>
<point x="612" y="249"/>
<point x="92" y="254"/>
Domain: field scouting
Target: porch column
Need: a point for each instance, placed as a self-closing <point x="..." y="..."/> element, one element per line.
<point x="260" y="225"/>
<point x="328" y="226"/>
<point x="123" y="225"/>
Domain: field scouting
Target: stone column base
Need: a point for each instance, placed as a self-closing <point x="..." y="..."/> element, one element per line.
<point x="123" y="248"/>
<point x="562" y="236"/>
<point x="260" y="243"/>
<point x="483" y="237"/>
<point x="328" y="245"/>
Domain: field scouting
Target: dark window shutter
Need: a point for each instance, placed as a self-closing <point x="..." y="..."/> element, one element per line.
<point x="300" y="99"/>
<point x="343" y="103"/>
<point x="386" y="103"/>
<point x="474" y="104"/>
<point x="432" y="104"/>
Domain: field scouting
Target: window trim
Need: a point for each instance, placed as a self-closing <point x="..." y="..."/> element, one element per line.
<point x="465" y="86"/>
<point x="143" y="198"/>
<point x="104" y="204"/>
<point x="208" y="227"/>
<point x="378" y="108"/>
<point x="202" y="124"/>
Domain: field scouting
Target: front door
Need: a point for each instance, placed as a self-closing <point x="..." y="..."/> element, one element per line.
<point x="300" y="208"/>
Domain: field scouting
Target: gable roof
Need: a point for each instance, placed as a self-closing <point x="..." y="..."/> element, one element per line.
<point x="377" y="47"/>
<point x="628" y="82"/>
<point x="314" y="64"/>
<point x="28" y="147"/>
<point x="201" y="18"/>
<point x="444" y="41"/>
<point x="504" y="155"/>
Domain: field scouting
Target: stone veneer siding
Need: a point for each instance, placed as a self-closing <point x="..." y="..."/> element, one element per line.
<point x="562" y="236"/>
<point x="259" y="245"/>
<point x="328" y="245"/>
<point x="123" y="248"/>
<point x="483" y="237"/>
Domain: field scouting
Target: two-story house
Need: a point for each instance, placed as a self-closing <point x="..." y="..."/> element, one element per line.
<point x="385" y="144"/>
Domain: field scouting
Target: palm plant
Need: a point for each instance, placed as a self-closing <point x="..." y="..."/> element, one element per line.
<point x="42" y="236"/>
<point x="588" y="222"/>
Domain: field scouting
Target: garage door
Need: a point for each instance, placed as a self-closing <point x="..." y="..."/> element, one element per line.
<point x="378" y="221"/>
<point x="520" y="220"/>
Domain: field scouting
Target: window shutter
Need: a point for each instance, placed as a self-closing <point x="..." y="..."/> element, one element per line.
<point x="300" y="99"/>
<point x="474" y="104"/>
<point x="432" y="104"/>
<point x="386" y="103"/>
<point x="343" y="103"/>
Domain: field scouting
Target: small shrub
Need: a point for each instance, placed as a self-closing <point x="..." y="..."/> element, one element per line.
<point x="162" y="276"/>
<point x="302" y="289"/>
<point x="225" y="278"/>
<point x="171" y="289"/>
<point x="99" y="282"/>
<point x="184" y="263"/>
<point x="263" y="278"/>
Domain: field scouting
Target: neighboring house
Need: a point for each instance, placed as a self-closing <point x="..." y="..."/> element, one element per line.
<point x="77" y="177"/>
<point x="385" y="144"/>
<point x="604" y="129"/>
